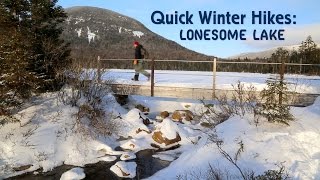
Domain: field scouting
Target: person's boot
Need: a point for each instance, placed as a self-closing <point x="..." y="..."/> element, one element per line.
<point x="135" y="78"/>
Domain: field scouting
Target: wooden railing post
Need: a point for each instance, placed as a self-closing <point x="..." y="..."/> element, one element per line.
<point x="99" y="70"/>
<point x="152" y="77"/>
<point x="300" y="66"/>
<point x="214" y="71"/>
<point x="282" y="71"/>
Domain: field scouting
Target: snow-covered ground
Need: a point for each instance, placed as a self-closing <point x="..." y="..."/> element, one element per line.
<point x="296" y="146"/>
<point x="45" y="138"/>
<point x="224" y="80"/>
<point x="266" y="146"/>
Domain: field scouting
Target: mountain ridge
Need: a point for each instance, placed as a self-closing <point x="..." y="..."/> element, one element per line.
<point x="94" y="31"/>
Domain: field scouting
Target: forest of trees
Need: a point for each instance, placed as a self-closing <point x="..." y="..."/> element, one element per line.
<point x="32" y="55"/>
<point x="308" y="53"/>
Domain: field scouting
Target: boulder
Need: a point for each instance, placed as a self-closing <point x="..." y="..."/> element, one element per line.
<point x="143" y="108"/>
<point x="164" y="114"/>
<point x="166" y="134"/>
<point x="146" y="121"/>
<point x="161" y="139"/>
<point x="181" y="115"/>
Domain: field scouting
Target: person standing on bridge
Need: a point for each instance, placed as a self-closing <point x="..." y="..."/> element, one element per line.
<point x="137" y="62"/>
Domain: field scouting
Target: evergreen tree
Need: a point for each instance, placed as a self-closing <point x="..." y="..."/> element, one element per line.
<point x="280" y="55"/>
<point x="32" y="54"/>
<point x="51" y="53"/>
<point x="16" y="82"/>
<point x="307" y="48"/>
<point x="309" y="54"/>
<point x="275" y="106"/>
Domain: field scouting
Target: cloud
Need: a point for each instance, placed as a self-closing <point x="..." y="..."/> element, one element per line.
<point x="292" y="36"/>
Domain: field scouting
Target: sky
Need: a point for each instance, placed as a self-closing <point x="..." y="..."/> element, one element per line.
<point x="307" y="21"/>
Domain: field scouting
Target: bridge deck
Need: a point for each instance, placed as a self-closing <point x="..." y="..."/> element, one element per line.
<point x="296" y="99"/>
<point x="198" y="85"/>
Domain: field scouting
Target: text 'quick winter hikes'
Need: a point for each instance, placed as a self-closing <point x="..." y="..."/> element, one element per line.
<point x="236" y="22"/>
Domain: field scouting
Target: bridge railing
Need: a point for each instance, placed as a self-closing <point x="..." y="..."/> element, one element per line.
<point x="214" y="62"/>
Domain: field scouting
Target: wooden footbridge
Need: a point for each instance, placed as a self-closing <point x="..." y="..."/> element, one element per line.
<point x="296" y="99"/>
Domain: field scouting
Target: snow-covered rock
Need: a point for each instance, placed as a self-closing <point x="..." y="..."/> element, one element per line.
<point x="160" y="138"/>
<point x="132" y="124"/>
<point x="182" y="115"/>
<point x="143" y="108"/>
<point x="73" y="174"/>
<point x="107" y="158"/>
<point x="140" y="142"/>
<point x="124" y="169"/>
<point x="166" y="134"/>
<point x="163" y="115"/>
<point x="127" y="156"/>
